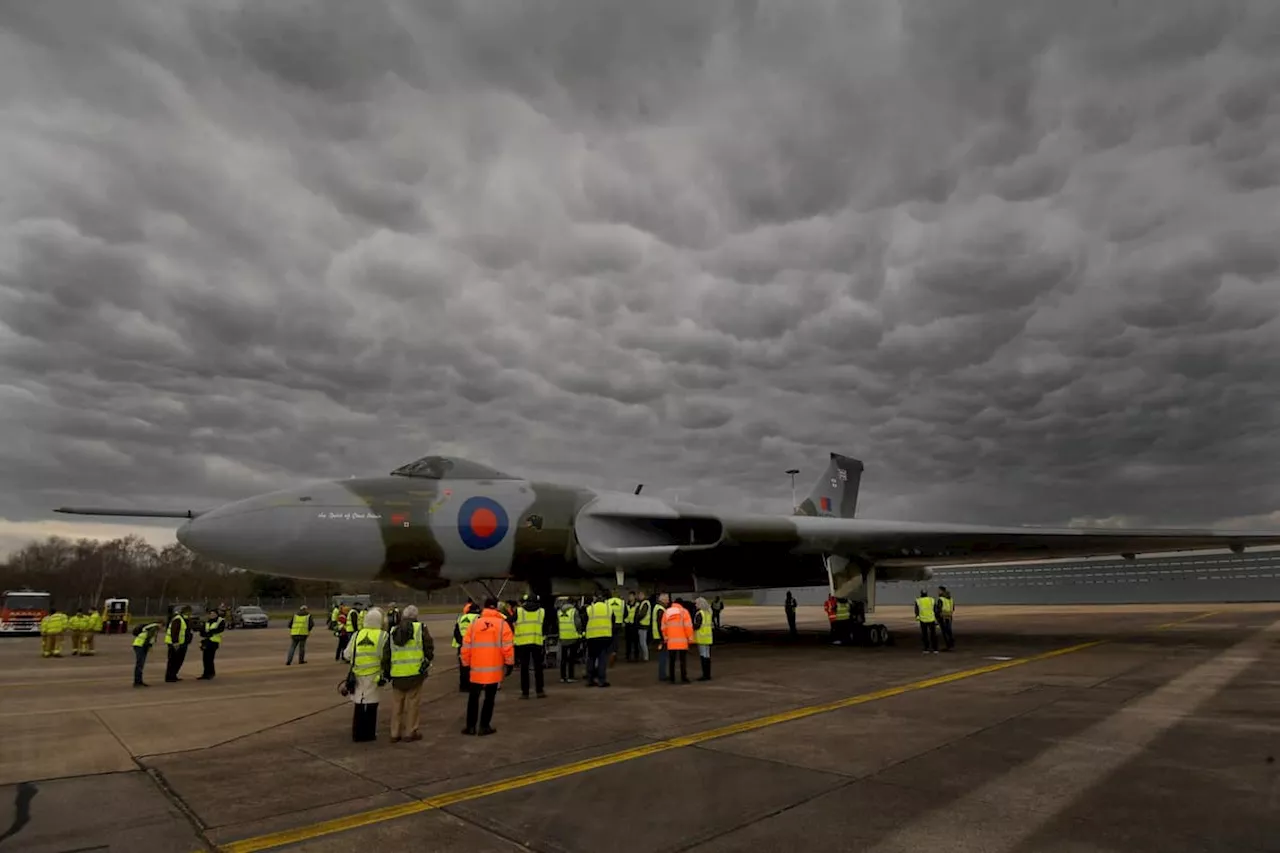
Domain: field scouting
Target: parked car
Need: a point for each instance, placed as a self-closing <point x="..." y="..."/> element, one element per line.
<point x="249" y="616"/>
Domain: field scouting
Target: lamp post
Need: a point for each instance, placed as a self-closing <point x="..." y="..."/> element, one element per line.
<point x="792" y="472"/>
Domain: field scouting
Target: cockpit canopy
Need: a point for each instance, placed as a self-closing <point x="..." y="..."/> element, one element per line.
<point x="449" y="468"/>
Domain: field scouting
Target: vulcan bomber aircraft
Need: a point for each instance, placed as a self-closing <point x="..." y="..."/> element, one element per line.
<point x="442" y="520"/>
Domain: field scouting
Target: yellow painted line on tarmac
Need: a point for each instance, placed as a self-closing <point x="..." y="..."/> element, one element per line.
<point x="374" y="816"/>
<point x="1195" y="618"/>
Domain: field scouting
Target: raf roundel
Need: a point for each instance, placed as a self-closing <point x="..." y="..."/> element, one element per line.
<point x="482" y="523"/>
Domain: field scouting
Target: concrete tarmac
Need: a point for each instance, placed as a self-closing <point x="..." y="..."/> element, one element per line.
<point x="1059" y="729"/>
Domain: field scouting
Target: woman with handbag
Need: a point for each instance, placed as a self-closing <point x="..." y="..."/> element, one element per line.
<point x="365" y="678"/>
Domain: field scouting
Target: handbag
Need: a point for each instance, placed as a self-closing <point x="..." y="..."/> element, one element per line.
<point x="347" y="686"/>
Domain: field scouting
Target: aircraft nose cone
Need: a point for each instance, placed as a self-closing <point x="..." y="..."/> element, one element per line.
<point x="184" y="536"/>
<point x="321" y="530"/>
<point x="248" y="534"/>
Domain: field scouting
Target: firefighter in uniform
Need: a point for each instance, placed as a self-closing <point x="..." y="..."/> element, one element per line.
<point x="176" y="639"/>
<point x="95" y="625"/>
<point x="570" y="639"/>
<point x="210" y="641"/>
<point x="52" y="628"/>
<point x="300" y="627"/>
<point x="144" y="637"/>
<point x="77" y="624"/>
<point x="528" y="642"/>
<point x="469" y="614"/>
<point x="926" y="615"/>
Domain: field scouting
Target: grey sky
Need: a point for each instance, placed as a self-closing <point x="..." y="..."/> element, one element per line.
<point x="1020" y="257"/>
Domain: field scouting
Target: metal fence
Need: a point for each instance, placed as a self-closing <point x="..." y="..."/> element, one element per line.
<point x="316" y="604"/>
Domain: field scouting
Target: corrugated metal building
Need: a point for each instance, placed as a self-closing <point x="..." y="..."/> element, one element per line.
<point x="1253" y="576"/>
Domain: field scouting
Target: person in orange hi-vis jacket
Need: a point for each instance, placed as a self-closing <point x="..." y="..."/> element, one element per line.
<point x="489" y="651"/>
<point x="677" y="633"/>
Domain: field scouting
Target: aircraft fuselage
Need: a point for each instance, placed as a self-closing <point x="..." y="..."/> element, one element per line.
<point x="427" y="534"/>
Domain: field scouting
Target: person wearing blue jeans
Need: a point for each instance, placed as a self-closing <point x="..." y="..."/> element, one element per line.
<point x="598" y="649"/>
<point x="144" y="636"/>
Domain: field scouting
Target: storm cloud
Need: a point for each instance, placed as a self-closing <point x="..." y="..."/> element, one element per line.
<point x="1021" y="257"/>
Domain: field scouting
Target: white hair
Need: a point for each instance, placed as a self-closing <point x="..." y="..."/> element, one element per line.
<point x="410" y="613"/>
<point x="372" y="616"/>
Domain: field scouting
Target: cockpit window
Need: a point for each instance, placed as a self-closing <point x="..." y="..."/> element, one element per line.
<point x="449" y="468"/>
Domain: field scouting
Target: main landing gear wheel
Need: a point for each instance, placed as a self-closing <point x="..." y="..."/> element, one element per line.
<point x="878" y="635"/>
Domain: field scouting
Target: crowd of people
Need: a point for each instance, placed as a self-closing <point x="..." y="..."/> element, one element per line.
<point x="394" y="649"/>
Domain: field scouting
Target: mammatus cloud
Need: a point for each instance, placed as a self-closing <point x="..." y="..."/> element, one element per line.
<point x="1019" y="257"/>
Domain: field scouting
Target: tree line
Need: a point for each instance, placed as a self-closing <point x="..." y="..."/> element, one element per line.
<point x="90" y="570"/>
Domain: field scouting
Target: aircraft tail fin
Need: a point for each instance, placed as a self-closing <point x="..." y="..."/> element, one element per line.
<point x="835" y="495"/>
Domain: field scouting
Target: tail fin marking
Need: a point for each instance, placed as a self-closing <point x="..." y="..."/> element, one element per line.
<point x="835" y="495"/>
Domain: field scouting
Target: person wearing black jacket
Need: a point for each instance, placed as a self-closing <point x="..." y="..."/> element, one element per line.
<point x="210" y="641"/>
<point x="177" y="639"/>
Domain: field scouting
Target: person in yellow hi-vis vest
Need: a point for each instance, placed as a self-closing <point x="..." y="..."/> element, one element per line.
<point x="927" y="616"/>
<point x="343" y="631"/>
<point x="570" y="637"/>
<point x="211" y="640"/>
<point x="300" y="627"/>
<point x="177" y="637"/>
<point x="530" y="653"/>
<point x="599" y="639"/>
<point x="703" y="623"/>
<point x="144" y="637"/>
<point x="470" y="613"/>
<point x="93" y="629"/>
<point x="946" y="609"/>
<point x="405" y="661"/>
<point x="631" y="632"/>
<point x="617" y="612"/>
<point x="644" y="619"/>
<point x="365" y="653"/>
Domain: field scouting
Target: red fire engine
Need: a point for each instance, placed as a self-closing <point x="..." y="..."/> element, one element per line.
<point x="22" y="609"/>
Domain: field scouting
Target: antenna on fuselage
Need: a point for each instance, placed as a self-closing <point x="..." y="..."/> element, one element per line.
<point x="638" y="488"/>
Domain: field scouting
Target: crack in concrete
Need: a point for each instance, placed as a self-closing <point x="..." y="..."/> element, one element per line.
<point x="25" y="793"/>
